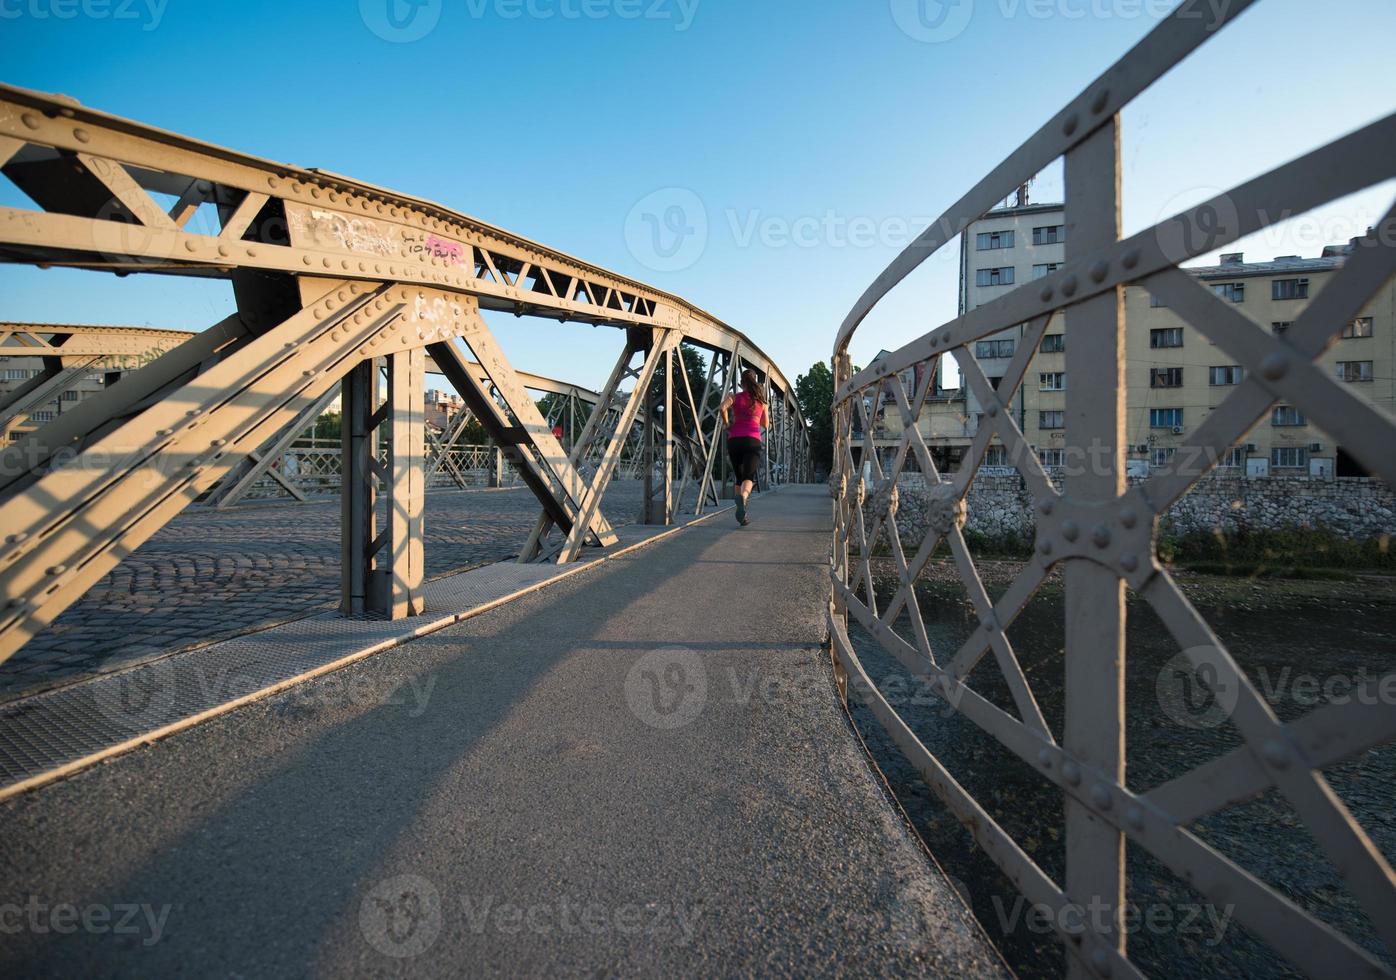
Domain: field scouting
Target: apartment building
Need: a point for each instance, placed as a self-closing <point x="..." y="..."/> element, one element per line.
<point x="1175" y="376"/>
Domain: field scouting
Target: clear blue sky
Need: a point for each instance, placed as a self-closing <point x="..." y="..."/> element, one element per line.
<point x="556" y="118"/>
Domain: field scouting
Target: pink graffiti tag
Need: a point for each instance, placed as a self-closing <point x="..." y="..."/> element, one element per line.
<point x="442" y="249"/>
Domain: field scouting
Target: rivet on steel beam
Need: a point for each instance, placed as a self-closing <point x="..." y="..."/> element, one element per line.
<point x="224" y="251"/>
<point x="1069" y="286"/>
<point x="1100" y="796"/>
<point x="192" y="412"/>
<point x="1071" y="772"/>
<point x="309" y="372"/>
<point x="1128" y="517"/>
<point x="1276" y="754"/>
<point x="1071" y="123"/>
<point x="251" y="253"/>
<point x="1044" y="546"/>
<point x="1099" y="270"/>
<point x="272" y="182"/>
<point x="30" y="120"/>
<point x="1070" y="530"/>
<point x="1131" y="258"/>
<point x="315" y="193"/>
<point x="1129" y="562"/>
<point x="1100" y="534"/>
<point x="219" y="442"/>
<point x="1134" y="816"/>
<point x="57" y="570"/>
<point x="1274" y="366"/>
<point x="190" y="246"/>
<point x="993" y="410"/>
<point x="1045" y="507"/>
<point x="307" y="259"/>
<point x="1101" y="100"/>
<point x="82" y="135"/>
<point x="326" y="261"/>
<point x="17" y="538"/>
<point x="1044" y="758"/>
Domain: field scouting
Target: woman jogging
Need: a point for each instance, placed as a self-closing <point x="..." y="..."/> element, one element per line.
<point x="745" y="416"/>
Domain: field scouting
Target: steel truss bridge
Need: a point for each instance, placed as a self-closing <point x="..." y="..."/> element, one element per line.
<point x="340" y="287"/>
<point x="1101" y="534"/>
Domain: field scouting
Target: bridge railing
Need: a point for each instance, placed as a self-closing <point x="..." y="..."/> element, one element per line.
<point x="1101" y="535"/>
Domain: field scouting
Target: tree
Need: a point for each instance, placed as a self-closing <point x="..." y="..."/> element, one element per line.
<point x="815" y="393"/>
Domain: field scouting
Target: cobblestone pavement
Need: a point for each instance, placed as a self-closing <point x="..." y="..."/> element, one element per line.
<point x="209" y="575"/>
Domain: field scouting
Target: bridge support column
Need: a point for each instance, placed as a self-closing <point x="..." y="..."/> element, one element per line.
<point x="384" y="570"/>
<point x="659" y="487"/>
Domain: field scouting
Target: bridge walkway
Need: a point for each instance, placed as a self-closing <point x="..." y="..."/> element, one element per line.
<point x="642" y="769"/>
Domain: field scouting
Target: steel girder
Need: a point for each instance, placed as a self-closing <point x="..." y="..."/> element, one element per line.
<point x="329" y="274"/>
<point x="1102" y="533"/>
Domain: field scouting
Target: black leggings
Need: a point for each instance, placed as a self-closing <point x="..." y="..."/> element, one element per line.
<point x="745" y="454"/>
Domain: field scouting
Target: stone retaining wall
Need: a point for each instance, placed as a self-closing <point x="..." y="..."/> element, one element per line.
<point x="1357" y="509"/>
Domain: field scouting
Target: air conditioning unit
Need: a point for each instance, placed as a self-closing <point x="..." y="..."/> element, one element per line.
<point x="1315" y="447"/>
<point x="1177" y="430"/>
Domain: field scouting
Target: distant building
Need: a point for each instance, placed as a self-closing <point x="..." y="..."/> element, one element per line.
<point x="1175" y="377"/>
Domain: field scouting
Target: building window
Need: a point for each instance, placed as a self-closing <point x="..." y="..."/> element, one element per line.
<point x="1156" y="303"/>
<point x="1286" y="415"/>
<point x="1233" y="460"/>
<point x="1361" y="327"/>
<point x="1227" y="374"/>
<point x="1162" y="457"/>
<point x="1165" y="418"/>
<point x="1289" y="457"/>
<point x="1166" y="377"/>
<point x="1289" y="289"/>
<point x="1002" y="276"/>
<point x="1042" y="270"/>
<point x="994" y="348"/>
<point x="1354" y="370"/>
<point x="1052" y="457"/>
<point x="1051" y="420"/>
<point x="16" y="374"/>
<point x="1052" y="381"/>
<point x="986" y="240"/>
<point x="1234" y="292"/>
<point x="41" y="416"/>
<point x="1053" y="343"/>
<point x="70" y="396"/>
<point x="1167" y="337"/>
<point x="996" y="456"/>
<point x="1049" y="235"/>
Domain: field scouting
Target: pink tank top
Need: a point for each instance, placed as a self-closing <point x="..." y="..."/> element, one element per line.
<point x="746" y="417"/>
